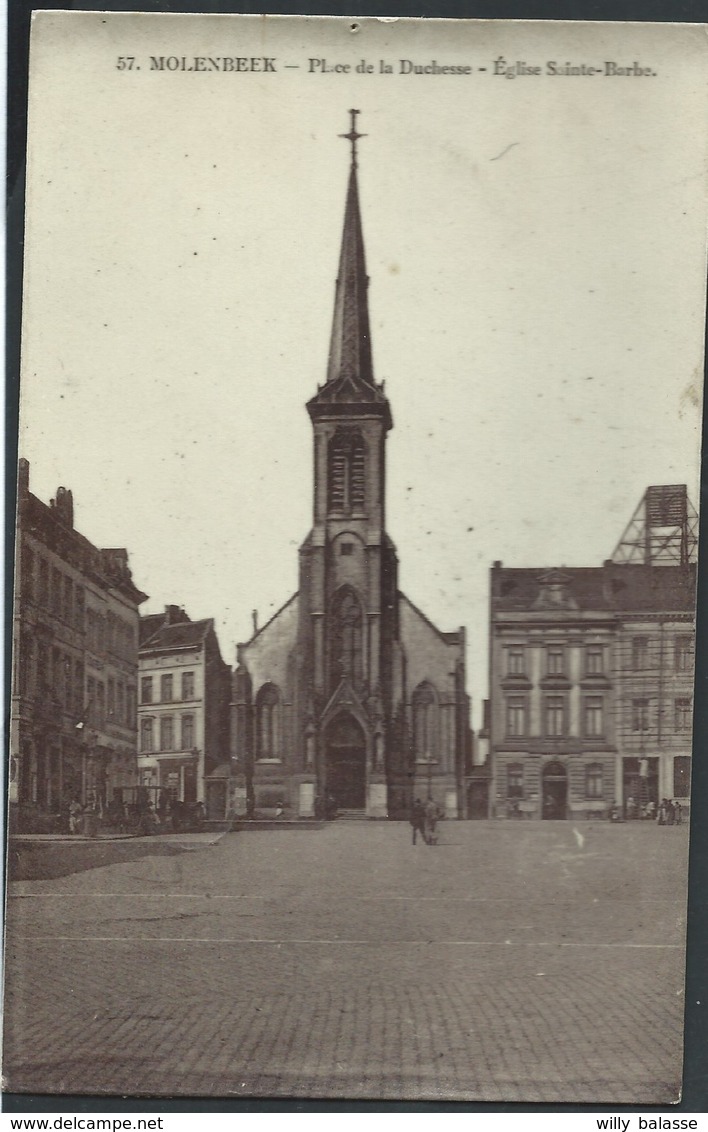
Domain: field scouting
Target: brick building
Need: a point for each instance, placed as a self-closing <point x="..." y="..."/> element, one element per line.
<point x="75" y="660"/>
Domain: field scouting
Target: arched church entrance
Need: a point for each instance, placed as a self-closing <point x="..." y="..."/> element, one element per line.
<point x="345" y="746"/>
<point x="554" y="785"/>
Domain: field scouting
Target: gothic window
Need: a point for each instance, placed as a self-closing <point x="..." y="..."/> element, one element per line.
<point x="346" y="481"/>
<point x="425" y="723"/>
<point x="346" y="637"/>
<point x="268" y="722"/>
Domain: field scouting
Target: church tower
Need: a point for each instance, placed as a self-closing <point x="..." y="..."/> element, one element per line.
<point x="348" y="568"/>
<point x="349" y="700"/>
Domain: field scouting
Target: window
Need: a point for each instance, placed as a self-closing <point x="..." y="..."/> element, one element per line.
<point x="346" y="641"/>
<point x="555" y="660"/>
<point x="555" y="716"/>
<point x="594" y="717"/>
<point x="682" y="715"/>
<point x="593" y="780"/>
<point x="146" y="735"/>
<point x="347" y="471"/>
<point x="425" y="720"/>
<point x="79" y="607"/>
<point x="188" y="686"/>
<point x="131" y="707"/>
<point x="68" y="600"/>
<point x="100" y="703"/>
<point x="146" y="690"/>
<point x="44" y="582"/>
<point x="27" y="568"/>
<point x="515" y="780"/>
<point x="58" y="675"/>
<point x="187" y="732"/>
<point x="516" y="660"/>
<point x="640" y="653"/>
<point x="594" y="660"/>
<point x="516" y="716"/>
<point x="69" y="684"/>
<point x="166" y="688"/>
<point x="111" y="698"/>
<point x="683" y="654"/>
<point x="640" y="715"/>
<point x="79" y="688"/>
<point x="682" y="776"/>
<point x="56" y="592"/>
<point x="167" y="738"/>
<point x="120" y="703"/>
<point x="268" y="722"/>
<point x="346" y="548"/>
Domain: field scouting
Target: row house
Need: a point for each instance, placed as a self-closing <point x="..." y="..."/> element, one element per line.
<point x="184" y="705"/>
<point x="591" y="688"/>
<point x="75" y="660"/>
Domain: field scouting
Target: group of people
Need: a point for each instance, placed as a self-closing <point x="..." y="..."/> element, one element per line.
<point x="424" y="820"/>
<point x="668" y="812"/>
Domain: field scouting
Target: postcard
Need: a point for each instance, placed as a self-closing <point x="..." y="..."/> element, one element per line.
<point x="354" y="619"/>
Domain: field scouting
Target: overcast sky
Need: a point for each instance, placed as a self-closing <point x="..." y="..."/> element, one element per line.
<point x="536" y="248"/>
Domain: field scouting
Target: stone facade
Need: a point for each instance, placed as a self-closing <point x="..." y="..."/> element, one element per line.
<point x="591" y="688"/>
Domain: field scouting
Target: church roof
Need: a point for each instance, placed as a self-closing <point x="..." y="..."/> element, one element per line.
<point x="350" y="373"/>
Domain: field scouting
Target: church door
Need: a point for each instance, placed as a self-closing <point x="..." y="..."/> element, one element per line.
<point x="346" y="763"/>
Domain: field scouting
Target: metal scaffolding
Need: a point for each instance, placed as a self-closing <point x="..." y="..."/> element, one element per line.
<point x="663" y="530"/>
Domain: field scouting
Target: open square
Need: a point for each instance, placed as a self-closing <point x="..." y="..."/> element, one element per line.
<point x="538" y="962"/>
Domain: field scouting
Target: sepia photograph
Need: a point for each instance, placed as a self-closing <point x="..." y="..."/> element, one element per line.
<point x="354" y="611"/>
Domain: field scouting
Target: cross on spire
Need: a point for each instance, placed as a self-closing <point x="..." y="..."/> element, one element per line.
<point x="353" y="136"/>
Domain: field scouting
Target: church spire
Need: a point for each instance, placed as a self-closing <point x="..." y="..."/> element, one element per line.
<point x="350" y="380"/>
<point x="350" y="346"/>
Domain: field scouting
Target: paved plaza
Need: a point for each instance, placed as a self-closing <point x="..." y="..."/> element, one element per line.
<point x="512" y="962"/>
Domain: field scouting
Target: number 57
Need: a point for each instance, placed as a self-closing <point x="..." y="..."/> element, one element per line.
<point x="125" y="62"/>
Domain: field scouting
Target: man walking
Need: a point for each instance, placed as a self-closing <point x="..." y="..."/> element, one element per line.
<point x="418" y="819"/>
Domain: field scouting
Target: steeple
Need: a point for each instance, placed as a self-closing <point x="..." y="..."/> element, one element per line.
<point x="350" y="373"/>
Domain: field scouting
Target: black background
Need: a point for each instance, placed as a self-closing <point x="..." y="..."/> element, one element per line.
<point x="695" y="1087"/>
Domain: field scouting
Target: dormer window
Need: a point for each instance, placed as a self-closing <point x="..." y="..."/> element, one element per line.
<point x="346" y="486"/>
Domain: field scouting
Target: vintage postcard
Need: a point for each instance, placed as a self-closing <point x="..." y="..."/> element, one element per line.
<point x="354" y="616"/>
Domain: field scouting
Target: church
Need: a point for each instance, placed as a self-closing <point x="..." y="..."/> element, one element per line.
<point x="349" y="699"/>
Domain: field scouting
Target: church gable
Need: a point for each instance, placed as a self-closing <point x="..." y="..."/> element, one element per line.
<point x="430" y="655"/>
<point x="267" y="654"/>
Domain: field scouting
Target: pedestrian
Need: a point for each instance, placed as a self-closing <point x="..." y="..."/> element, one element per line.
<point x="661" y="814"/>
<point x="417" y="819"/>
<point x="670" y="812"/>
<point x="279" y="810"/>
<point x="677" y="812"/>
<point x="631" y="808"/>
<point x="431" y="821"/>
<point x="74" y="816"/>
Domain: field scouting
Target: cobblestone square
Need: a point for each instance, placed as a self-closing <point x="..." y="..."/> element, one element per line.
<point x="536" y="962"/>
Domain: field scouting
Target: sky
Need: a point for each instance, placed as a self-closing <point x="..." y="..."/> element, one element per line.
<point x="536" y="249"/>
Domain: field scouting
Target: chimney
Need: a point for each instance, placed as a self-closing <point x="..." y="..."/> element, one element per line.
<point x="23" y="472"/>
<point x="254" y="615"/>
